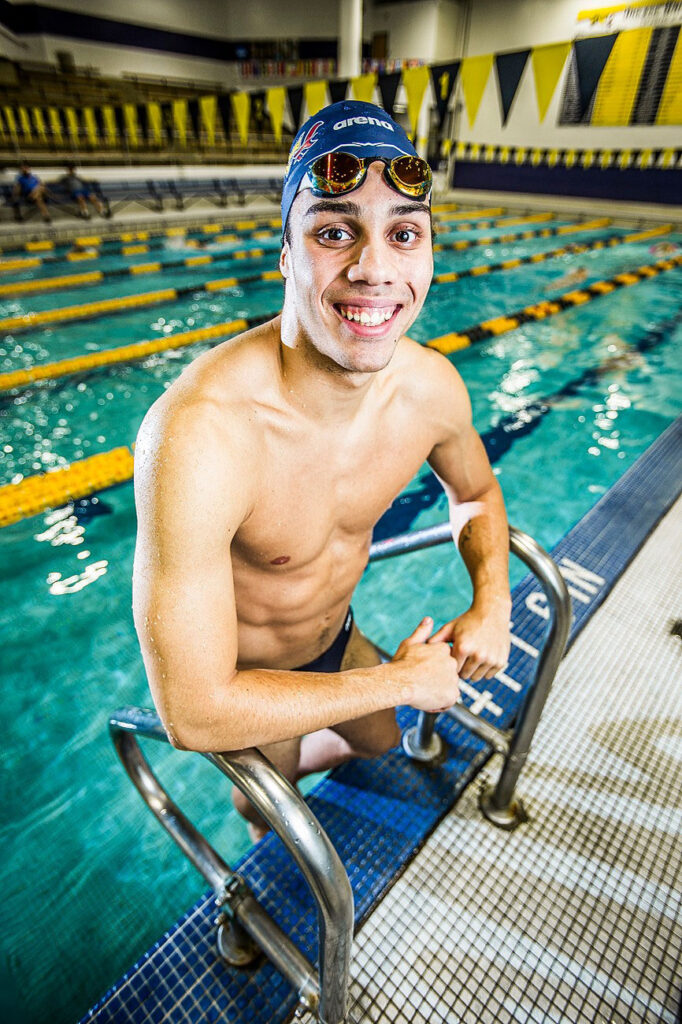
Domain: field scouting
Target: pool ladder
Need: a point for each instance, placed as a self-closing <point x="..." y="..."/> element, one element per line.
<point x="244" y="927"/>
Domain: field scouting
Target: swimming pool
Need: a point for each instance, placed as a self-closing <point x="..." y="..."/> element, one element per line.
<point x="565" y="406"/>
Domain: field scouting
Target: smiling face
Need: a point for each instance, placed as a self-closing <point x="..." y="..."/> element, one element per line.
<point x="357" y="270"/>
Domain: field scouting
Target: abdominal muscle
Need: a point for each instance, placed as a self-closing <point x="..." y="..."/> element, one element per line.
<point x="289" y="616"/>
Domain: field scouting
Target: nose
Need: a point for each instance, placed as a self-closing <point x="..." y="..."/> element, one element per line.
<point x="373" y="262"/>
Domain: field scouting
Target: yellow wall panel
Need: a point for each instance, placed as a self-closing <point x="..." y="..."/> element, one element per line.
<point x="619" y="83"/>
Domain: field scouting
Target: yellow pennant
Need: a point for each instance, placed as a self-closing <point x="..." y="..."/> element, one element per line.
<point x="25" y="123"/>
<point x="474" y="74"/>
<point x="72" y="122"/>
<point x="363" y="87"/>
<point x="241" y="105"/>
<point x="109" y="119"/>
<point x="180" y="120"/>
<point x="55" y="125"/>
<point x="548" y="63"/>
<point x="670" y="107"/>
<point x="130" y="121"/>
<point x="10" y="121"/>
<point x="154" y="121"/>
<point x="39" y="122"/>
<point x="207" y="108"/>
<point x="90" y="125"/>
<point x="315" y="96"/>
<point x="275" y="100"/>
<point x="416" y="82"/>
<point x="619" y="83"/>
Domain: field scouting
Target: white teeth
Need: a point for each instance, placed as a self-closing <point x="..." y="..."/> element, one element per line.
<point x="368" y="317"/>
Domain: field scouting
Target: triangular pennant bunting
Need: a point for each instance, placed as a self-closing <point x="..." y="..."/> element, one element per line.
<point x="130" y="116"/>
<point x="142" y="112"/>
<point x="670" y="107"/>
<point x="180" y="120"/>
<point x="474" y="74"/>
<point x="509" y="67"/>
<point x="207" y="110"/>
<point x="275" y="99"/>
<point x="363" y="87"/>
<point x="443" y="78"/>
<point x="591" y="55"/>
<point x="338" y="89"/>
<point x="225" y="111"/>
<point x="154" y="122"/>
<point x="548" y="63"/>
<point x="416" y="82"/>
<point x="388" y="88"/>
<point x="241" y="105"/>
<point x="295" y="93"/>
<point x="193" y="111"/>
<point x="315" y="96"/>
<point x="90" y="126"/>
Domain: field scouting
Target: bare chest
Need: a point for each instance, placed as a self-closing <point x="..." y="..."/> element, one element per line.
<point x="326" y="493"/>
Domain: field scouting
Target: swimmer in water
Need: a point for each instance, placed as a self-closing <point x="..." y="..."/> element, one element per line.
<point x="662" y="249"/>
<point x="298" y="434"/>
<point x="568" y="280"/>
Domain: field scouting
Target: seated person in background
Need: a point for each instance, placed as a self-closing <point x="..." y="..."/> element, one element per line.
<point x="261" y="473"/>
<point x="80" y="191"/>
<point x="28" y="186"/>
<point x="567" y="280"/>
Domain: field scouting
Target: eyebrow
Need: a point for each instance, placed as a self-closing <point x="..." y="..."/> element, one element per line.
<point x="351" y="209"/>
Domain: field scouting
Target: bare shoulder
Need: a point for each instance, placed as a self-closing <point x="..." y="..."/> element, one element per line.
<point x="201" y="433"/>
<point x="434" y="385"/>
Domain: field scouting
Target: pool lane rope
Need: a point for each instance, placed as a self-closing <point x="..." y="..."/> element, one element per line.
<point x="106" y="307"/>
<point x="140" y="350"/>
<point x="84" y="477"/>
<point x="48" y="284"/>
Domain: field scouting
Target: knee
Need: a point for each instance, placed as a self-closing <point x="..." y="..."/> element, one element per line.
<point x="380" y="743"/>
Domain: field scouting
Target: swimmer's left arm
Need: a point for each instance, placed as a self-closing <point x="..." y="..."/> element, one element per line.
<point x="479" y="637"/>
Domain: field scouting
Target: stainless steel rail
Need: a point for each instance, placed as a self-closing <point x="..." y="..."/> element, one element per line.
<point x="288" y="815"/>
<point x="498" y="803"/>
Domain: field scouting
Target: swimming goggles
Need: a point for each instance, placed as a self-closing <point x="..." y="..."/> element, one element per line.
<point x="337" y="173"/>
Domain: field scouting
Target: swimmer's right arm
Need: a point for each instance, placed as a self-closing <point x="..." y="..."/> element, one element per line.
<point x="192" y="494"/>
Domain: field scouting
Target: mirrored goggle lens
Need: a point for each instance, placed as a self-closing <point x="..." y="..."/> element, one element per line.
<point x="335" y="172"/>
<point x="411" y="173"/>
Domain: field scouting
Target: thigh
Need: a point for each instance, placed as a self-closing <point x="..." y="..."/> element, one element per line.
<point x="285" y="755"/>
<point x="375" y="732"/>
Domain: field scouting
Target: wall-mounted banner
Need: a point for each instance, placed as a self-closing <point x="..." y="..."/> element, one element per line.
<point x="225" y="112"/>
<point x="90" y="126"/>
<point x="474" y="74"/>
<point x="338" y="89"/>
<point x="131" y="126"/>
<point x="109" y="119"/>
<point x="295" y="94"/>
<point x="193" y="115"/>
<point x="670" y="107"/>
<point x="620" y="17"/>
<point x="154" y="122"/>
<point x="180" y="121"/>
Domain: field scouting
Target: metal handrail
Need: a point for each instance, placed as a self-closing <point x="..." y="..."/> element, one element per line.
<point x="280" y="804"/>
<point x="498" y="803"/>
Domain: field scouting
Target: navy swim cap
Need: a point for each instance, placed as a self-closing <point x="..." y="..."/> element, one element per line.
<point x="362" y="129"/>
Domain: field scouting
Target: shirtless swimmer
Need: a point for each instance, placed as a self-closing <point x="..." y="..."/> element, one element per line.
<point x="262" y="471"/>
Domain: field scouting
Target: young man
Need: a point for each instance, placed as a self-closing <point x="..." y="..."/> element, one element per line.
<point x="262" y="471"/>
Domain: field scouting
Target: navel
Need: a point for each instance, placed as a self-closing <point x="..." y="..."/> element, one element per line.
<point x="282" y="560"/>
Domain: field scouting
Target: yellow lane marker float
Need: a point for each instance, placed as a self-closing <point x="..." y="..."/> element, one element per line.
<point x="469" y="243"/>
<point x="540" y="257"/>
<point x="122" y="354"/>
<point x="79" y="364"/>
<point x="42" y="491"/>
<point x="105" y="307"/>
<point x="449" y="343"/>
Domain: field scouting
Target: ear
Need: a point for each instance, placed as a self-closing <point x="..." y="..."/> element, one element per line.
<point x="285" y="260"/>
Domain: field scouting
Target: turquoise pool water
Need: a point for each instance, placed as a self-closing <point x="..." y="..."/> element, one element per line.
<point x="90" y="880"/>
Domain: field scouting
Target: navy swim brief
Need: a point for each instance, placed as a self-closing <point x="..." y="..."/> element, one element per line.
<point x="330" y="660"/>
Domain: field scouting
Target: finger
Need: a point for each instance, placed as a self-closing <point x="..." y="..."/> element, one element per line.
<point x="469" y="666"/>
<point x="479" y="672"/>
<point x="421" y="634"/>
<point x="444" y="633"/>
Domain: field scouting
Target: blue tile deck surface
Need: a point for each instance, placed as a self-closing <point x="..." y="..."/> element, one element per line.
<point x="378" y="813"/>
